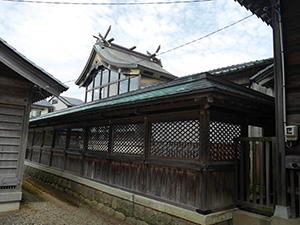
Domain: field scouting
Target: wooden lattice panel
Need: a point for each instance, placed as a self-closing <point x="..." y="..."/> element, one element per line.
<point x="29" y="139"/>
<point x="76" y="138"/>
<point x="48" y="136"/>
<point x="128" y="139"/>
<point x="60" y="138"/>
<point x="221" y="140"/>
<point x="175" y="139"/>
<point x="38" y="137"/>
<point x="98" y="138"/>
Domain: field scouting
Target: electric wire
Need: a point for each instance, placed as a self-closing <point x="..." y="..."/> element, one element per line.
<point x="205" y="36"/>
<point x="107" y="3"/>
<point x="188" y="43"/>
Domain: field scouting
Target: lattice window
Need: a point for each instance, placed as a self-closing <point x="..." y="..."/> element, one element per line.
<point x="98" y="138"/>
<point x="38" y="137"/>
<point x="175" y="139"/>
<point x="29" y="139"/>
<point x="128" y="139"/>
<point x="76" y="138"/>
<point x="48" y="137"/>
<point x="60" y="138"/>
<point x="221" y="139"/>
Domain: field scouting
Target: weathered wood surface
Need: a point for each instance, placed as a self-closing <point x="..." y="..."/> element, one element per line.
<point x="193" y="182"/>
<point x="255" y="179"/>
<point x="11" y="122"/>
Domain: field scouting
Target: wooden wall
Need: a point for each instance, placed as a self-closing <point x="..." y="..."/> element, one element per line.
<point x="291" y="34"/>
<point x="161" y="157"/>
<point x="14" y="114"/>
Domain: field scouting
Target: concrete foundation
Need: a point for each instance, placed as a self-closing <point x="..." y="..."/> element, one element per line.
<point x="247" y="218"/>
<point x="130" y="207"/>
<point x="9" y="206"/>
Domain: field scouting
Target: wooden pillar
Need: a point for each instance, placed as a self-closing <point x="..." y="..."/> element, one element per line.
<point x="203" y="161"/>
<point x="279" y="109"/>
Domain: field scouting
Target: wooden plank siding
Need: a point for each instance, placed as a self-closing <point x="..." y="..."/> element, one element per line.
<point x="291" y="43"/>
<point x="13" y="111"/>
<point x="152" y="156"/>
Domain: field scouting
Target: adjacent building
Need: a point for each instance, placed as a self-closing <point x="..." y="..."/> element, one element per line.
<point x="22" y="83"/>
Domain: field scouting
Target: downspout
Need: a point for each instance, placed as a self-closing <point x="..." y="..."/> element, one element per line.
<point x="278" y="12"/>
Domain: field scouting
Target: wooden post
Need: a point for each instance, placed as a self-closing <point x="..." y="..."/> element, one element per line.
<point x="204" y="159"/>
<point x="66" y="147"/>
<point x="279" y="112"/>
<point x="85" y="148"/>
<point x="52" y="146"/>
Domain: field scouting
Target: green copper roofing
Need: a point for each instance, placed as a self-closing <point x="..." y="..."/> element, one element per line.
<point x="194" y="84"/>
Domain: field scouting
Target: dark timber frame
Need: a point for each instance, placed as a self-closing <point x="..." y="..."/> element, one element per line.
<point x="173" y="142"/>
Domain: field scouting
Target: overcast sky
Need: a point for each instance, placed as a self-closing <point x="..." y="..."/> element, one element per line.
<point x="59" y="38"/>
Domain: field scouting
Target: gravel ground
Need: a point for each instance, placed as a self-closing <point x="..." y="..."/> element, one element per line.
<point x="43" y="204"/>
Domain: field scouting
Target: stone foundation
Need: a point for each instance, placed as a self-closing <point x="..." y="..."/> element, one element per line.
<point x="132" y="208"/>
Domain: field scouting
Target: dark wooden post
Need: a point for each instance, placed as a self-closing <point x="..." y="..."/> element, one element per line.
<point x="85" y="148"/>
<point x="52" y="146"/>
<point x="66" y="147"/>
<point x="110" y="150"/>
<point x="147" y="142"/>
<point x="204" y="160"/>
<point x="279" y="110"/>
<point x="42" y="143"/>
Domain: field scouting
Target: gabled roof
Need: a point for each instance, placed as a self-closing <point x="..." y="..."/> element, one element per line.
<point x="264" y="77"/>
<point x="241" y="67"/>
<point x="118" y="57"/>
<point x="68" y="101"/>
<point x="43" y="103"/>
<point x="46" y="84"/>
<point x="261" y="8"/>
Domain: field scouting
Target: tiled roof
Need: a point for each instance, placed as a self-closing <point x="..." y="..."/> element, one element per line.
<point x="71" y="101"/>
<point x="239" y="67"/>
<point x="43" y="103"/>
<point x="261" y="8"/>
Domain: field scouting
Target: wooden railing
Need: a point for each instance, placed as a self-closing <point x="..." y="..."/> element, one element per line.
<point x="255" y="174"/>
<point x="293" y="169"/>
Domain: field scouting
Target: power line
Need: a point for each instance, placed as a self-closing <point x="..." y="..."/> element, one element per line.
<point x="205" y="36"/>
<point x="198" y="39"/>
<point x="108" y="3"/>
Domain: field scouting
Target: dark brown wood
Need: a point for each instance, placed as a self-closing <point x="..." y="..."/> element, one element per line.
<point x="293" y="194"/>
<point x="262" y="173"/>
<point x="254" y="173"/>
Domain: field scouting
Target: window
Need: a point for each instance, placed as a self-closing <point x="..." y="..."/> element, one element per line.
<point x="35" y="113"/>
<point x="109" y="83"/>
<point x="97" y="79"/>
<point x="113" y="89"/>
<point x="96" y="95"/>
<point x="114" y="76"/>
<point x="104" y="93"/>
<point x="54" y="101"/>
<point x="89" y="96"/>
<point x="133" y="83"/>
<point x="105" y="77"/>
<point x="123" y="88"/>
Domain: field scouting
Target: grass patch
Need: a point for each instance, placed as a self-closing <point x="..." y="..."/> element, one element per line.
<point x="62" y="196"/>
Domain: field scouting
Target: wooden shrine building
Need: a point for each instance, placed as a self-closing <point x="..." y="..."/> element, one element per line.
<point x="172" y="147"/>
<point x="112" y="70"/>
<point x="284" y="18"/>
<point x="21" y="83"/>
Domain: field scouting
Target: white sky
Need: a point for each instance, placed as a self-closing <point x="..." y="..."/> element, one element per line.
<point x="59" y="38"/>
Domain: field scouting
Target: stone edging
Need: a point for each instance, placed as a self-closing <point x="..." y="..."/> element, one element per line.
<point x="172" y="210"/>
